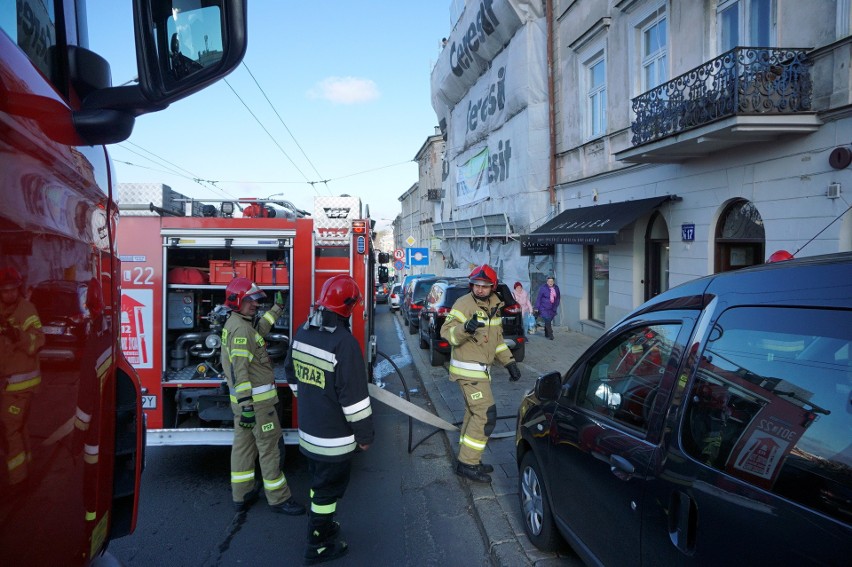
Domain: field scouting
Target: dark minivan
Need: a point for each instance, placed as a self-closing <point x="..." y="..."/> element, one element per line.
<point x="437" y="305"/>
<point x="711" y="426"/>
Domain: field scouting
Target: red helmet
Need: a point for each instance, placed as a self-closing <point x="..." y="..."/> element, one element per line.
<point x="483" y="274"/>
<point x="779" y="256"/>
<point x="340" y="294"/>
<point x="10" y="277"/>
<point x="239" y="289"/>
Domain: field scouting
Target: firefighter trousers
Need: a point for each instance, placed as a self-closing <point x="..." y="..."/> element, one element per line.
<point x="249" y="444"/>
<point x="480" y="417"/>
<point x="328" y="485"/>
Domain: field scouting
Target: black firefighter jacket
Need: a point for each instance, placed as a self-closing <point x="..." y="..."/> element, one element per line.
<point x="327" y="372"/>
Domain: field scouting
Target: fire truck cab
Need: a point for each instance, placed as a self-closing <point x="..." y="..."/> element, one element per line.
<point x="178" y="256"/>
<point x="71" y="427"/>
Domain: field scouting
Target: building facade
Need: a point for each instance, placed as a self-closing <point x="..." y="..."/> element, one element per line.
<point x="686" y="138"/>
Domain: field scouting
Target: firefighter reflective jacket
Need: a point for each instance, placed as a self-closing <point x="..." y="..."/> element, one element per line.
<point x="473" y="354"/>
<point x="335" y="415"/>
<point x="245" y="361"/>
<point x="21" y="337"/>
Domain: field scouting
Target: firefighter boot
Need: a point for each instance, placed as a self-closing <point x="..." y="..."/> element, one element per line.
<point x="322" y="545"/>
<point x="249" y="499"/>
<point x="289" y="507"/>
<point x="486" y="468"/>
<point x="472" y="472"/>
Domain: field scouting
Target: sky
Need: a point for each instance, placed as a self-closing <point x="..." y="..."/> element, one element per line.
<point x="341" y="86"/>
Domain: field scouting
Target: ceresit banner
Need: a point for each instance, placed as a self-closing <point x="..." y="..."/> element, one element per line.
<point x="481" y="32"/>
<point x="516" y="79"/>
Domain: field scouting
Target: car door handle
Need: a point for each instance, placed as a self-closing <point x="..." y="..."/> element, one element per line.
<point x="621" y="467"/>
<point x="683" y="515"/>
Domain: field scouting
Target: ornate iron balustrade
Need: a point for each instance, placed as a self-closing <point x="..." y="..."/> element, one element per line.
<point x="744" y="80"/>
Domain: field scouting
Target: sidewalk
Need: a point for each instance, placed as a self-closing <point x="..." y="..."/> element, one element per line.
<point x="496" y="505"/>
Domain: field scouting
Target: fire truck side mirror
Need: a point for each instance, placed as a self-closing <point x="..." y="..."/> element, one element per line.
<point x="171" y="66"/>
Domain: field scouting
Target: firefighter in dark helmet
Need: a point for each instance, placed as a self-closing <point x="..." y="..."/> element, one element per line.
<point x="326" y="368"/>
<point x="257" y="430"/>
<point x="474" y="328"/>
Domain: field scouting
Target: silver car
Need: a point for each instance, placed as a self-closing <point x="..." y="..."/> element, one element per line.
<point x="395" y="297"/>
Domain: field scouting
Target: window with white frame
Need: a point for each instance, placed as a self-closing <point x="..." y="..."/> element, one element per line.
<point x="654" y="45"/>
<point x="595" y="75"/>
<point x="745" y="23"/>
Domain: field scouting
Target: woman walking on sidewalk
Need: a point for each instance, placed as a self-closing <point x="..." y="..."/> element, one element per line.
<point x="546" y="304"/>
<point x="523" y="299"/>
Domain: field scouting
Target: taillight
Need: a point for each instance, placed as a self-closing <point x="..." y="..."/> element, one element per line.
<point x="415" y="307"/>
<point x="442" y="311"/>
<point x="512" y="309"/>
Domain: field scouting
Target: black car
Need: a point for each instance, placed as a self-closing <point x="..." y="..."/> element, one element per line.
<point x="711" y="426"/>
<point x="382" y="293"/>
<point x="413" y="298"/>
<point x="440" y="300"/>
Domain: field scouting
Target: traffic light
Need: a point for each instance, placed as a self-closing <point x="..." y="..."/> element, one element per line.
<point x="383" y="274"/>
<point x="384" y="258"/>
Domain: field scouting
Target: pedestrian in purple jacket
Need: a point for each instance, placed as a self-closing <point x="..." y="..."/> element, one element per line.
<point x="546" y="304"/>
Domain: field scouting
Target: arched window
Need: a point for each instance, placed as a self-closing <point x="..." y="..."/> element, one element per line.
<point x="656" y="256"/>
<point x="740" y="238"/>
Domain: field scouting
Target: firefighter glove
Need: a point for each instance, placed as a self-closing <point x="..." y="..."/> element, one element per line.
<point x="247" y="420"/>
<point x="473" y="324"/>
<point x="279" y="299"/>
<point x="514" y="371"/>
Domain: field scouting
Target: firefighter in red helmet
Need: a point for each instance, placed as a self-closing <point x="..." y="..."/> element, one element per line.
<point x="248" y="372"/>
<point x="21" y="337"/>
<point x="326" y="366"/>
<point x="474" y="328"/>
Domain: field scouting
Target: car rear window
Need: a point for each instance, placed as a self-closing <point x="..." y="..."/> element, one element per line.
<point x="770" y="404"/>
<point x="454" y="293"/>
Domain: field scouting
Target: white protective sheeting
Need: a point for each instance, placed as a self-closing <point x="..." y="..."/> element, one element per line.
<point x="483" y="30"/>
<point x="513" y="172"/>
<point x="516" y="79"/>
<point x="489" y="91"/>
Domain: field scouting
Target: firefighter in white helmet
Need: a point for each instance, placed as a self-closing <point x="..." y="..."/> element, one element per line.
<point x="257" y="429"/>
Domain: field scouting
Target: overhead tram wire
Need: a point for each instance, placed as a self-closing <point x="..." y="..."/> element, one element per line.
<point x="326" y="181"/>
<point x="268" y="133"/>
<point x="295" y="141"/>
<point x="189" y="175"/>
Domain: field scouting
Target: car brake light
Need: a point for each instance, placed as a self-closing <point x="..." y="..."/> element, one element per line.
<point x="443" y="344"/>
<point x="512" y="309"/>
<point x="442" y="311"/>
<point x="415" y="307"/>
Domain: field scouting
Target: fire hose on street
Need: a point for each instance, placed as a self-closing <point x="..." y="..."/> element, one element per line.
<point x="413" y="411"/>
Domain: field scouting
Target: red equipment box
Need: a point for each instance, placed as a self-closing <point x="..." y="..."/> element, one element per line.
<point x="223" y="271"/>
<point x="271" y="273"/>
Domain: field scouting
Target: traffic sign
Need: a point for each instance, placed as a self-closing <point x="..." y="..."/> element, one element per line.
<point x="410" y="241"/>
<point x="398" y="265"/>
<point x="398" y="254"/>
<point x="417" y="256"/>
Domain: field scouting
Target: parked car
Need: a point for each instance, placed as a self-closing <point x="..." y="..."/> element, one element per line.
<point x="395" y="296"/>
<point x="413" y="299"/>
<point x="440" y="299"/>
<point x="71" y="313"/>
<point x="710" y="426"/>
<point x="382" y="293"/>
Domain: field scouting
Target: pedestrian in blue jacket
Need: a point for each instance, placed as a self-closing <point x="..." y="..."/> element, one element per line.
<point x="546" y="305"/>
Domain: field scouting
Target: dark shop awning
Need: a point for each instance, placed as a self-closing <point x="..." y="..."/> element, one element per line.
<point x="592" y="225"/>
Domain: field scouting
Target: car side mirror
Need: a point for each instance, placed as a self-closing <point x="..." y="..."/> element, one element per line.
<point x="548" y="387"/>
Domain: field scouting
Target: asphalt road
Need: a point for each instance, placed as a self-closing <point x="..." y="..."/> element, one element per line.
<point x="401" y="509"/>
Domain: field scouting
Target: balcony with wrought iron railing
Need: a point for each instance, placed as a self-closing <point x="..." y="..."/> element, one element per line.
<point x="745" y="95"/>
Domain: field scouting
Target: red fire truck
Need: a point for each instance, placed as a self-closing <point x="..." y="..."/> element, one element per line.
<point x="71" y="432"/>
<point x="177" y="258"/>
